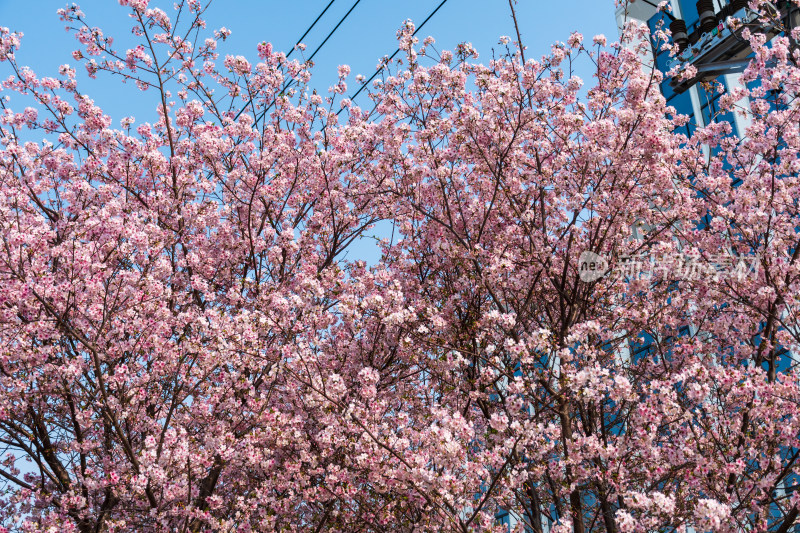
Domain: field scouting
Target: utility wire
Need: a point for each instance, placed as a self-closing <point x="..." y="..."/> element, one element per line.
<point x="300" y="40"/>
<point x="334" y="29"/>
<point x="290" y="82"/>
<point x="443" y="2"/>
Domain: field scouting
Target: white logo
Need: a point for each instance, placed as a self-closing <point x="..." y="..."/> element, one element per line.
<point x="591" y="266"/>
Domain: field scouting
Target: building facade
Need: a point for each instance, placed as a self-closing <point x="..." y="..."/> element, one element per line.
<point x="696" y="102"/>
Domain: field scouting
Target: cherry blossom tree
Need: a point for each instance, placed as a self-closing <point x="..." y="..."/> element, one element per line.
<point x="190" y="345"/>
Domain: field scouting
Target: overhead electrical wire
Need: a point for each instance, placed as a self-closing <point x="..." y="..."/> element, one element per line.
<point x="432" y="13"/>
<point x="314" y="53"/>
<point x="330" y="34"/>
<point x="334" y="30"/>
<point x="300" y="40"/>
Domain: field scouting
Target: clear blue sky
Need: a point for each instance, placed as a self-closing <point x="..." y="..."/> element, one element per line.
<point x="366" y="35"/>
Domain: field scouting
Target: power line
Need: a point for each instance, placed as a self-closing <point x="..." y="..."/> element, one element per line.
<point x="291" y="51"/>
<point x="334" y="29"/>
<point x="300" y="40"/>
<point x="443" y="2"/>
<point x="290" y="82"/>
<point x="286" y="86"/>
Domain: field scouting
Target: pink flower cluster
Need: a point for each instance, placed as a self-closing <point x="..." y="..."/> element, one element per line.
<point x="190" y="344"/>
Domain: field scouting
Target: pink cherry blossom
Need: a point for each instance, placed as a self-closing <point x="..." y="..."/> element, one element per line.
<point x="191" y="343"/>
